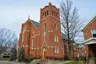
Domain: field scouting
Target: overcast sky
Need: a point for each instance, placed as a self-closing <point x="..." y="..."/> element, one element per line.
<point x="15" y="12"/>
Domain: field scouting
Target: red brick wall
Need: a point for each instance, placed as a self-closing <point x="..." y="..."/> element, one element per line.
<point x="65" y="48"/>
<point x="87" y="30"/>
<point x="50" y="20"/>
<point x="38" y="34"/>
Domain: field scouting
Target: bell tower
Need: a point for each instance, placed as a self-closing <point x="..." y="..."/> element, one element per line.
<point x="49" y="10"/>
<point x="50" y="30"/>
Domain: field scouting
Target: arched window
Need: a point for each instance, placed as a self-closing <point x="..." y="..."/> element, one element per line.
<point x="56" y="14"/>
<point x="55" y="38"/>
<point x="55" y="50"/>
<point x="23" y="36"/>
<point x="47" y="12"/>
<point x="43" y="14"/>
<point x="55" y="26"/>
<point x="24" y="30"/>
<point x="52" y="12"/>
<point x="32" y="43"/>
<point x="44" y="29"/>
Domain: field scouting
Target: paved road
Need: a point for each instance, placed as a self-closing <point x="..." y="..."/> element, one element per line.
<point x="4" y="62"/>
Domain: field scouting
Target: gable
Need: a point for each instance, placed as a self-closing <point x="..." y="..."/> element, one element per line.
<point x="90" y="22"/>
<point x="36" y="24"/>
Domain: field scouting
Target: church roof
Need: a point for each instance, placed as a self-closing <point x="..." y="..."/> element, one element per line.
<point x="92" y="20"/>
<point x="64" y="36"/>
<point x="36" y="24"/>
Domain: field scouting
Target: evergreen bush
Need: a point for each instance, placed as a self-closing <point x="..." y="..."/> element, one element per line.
<point x="21" y="54"/>
<point x="13" y="54"/>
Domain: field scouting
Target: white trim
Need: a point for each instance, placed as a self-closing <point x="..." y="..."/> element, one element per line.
<point x="51" y="31"/>
<point x="52" y="46"/>
<point x="44" y="43"/>
<point x="90" y="41"/>
<point x="32" y="48"/>
<point x="48" y="46"/>
<point x="38" y="48"/>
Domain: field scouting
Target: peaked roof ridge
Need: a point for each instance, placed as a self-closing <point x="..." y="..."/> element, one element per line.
<point x="90" y="21"/>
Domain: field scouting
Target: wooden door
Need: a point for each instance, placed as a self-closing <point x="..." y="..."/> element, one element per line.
<point x="44" y="52"/>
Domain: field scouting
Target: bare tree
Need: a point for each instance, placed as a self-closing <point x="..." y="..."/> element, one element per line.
<point x="69" y="21"/>
<point x="7" y="39"/>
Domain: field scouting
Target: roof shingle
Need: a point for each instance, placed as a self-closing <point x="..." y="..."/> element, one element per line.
<point x="36" y="24"/>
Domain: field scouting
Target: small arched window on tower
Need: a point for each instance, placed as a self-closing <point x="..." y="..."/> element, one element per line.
<point x="52" y="12"/>
<point x="56" y="14"/>
<point x="47" y="12"/>
<point x="43" y="14"/>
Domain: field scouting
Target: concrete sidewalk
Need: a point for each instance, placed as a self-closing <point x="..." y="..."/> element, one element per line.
<point x="17" y="63"/>
<point x="38" y="61"/>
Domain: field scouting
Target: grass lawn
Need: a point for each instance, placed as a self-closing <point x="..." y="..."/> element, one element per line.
<point x="72" y="62"/>
<point x="6" y="59"/>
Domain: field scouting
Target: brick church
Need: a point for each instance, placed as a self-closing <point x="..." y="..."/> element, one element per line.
<point x="44" y="39"/>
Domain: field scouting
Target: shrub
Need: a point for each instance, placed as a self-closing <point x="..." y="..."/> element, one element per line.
<point x="21" y="55"/>
<point x="55" y="58"/>
<point x="77" y="58"/>
<point x="66" y="57"/>
<point x="28" y="58"/>
<point x="13" y="54"/>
